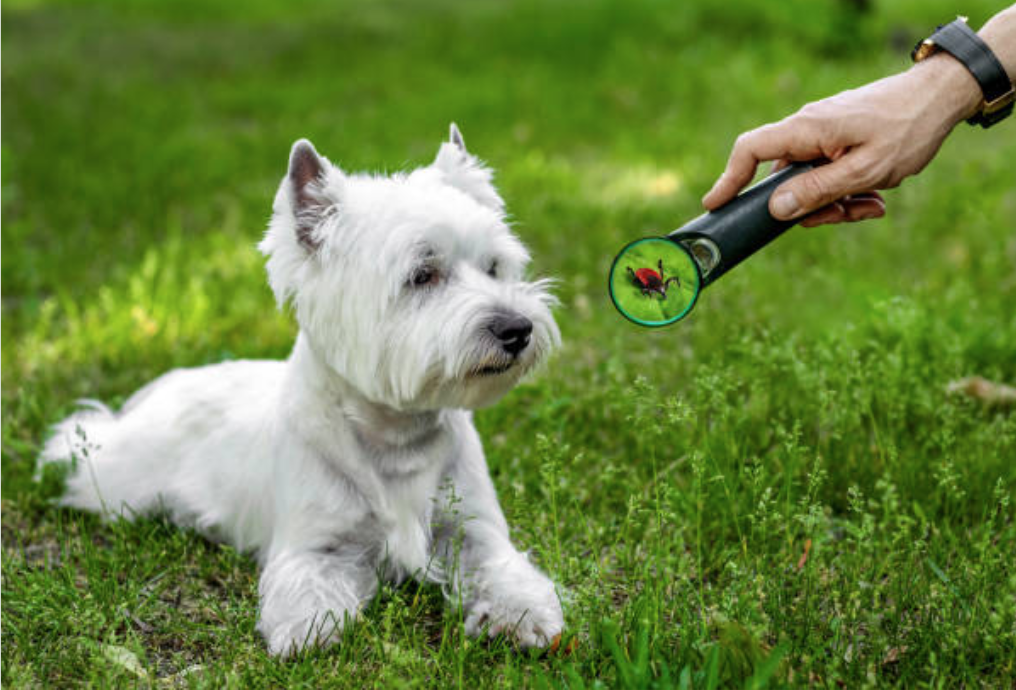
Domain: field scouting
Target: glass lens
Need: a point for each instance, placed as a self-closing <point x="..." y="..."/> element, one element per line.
<point x="654" y="281"/>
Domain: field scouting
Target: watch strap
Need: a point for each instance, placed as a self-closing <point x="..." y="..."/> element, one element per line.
<point x="960" y="41"/>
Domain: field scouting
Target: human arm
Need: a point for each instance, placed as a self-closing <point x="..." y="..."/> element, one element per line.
<point x="873" y="136"/>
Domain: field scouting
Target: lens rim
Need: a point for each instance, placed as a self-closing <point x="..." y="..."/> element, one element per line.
<point x="673" y="319"/>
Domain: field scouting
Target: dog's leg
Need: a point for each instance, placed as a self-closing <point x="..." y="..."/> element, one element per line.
<point x="500" y="590"/>
<point x="308" y="597"/>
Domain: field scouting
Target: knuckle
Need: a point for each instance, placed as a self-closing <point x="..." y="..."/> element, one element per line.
<point x="876" y="174"/>
<point x="857" y="172"/>
<point x="743" y="143"/>
<point x="810" y="117"/>
<point x="809" y="111"/>
<point x="813" y="190"/>
<point x="893" y="179"/>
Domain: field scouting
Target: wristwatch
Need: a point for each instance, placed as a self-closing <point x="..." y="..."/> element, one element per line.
<point x="960" y="41"/>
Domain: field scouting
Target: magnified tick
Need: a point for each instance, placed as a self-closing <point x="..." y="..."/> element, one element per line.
<point x="649" y="281"/>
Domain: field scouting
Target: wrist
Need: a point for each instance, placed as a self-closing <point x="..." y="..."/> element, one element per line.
<point x="999" y="34"/>
<point x="953" y="91"/>
<point x="971" y="50"/>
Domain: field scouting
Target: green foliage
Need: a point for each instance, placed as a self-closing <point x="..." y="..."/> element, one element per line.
<point x="776" y="492"/>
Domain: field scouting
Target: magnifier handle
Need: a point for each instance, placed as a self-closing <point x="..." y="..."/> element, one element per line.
<point x="742" y="226"/>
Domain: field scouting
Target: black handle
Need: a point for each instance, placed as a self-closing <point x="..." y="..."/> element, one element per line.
<point x="737" y="229"/>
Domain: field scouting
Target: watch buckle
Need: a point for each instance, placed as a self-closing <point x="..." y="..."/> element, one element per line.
<point x="996" y="104"/>
<point x="923" y="50"/>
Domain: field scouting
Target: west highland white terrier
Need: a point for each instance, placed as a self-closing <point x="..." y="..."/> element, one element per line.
<point x="356" y="457"/>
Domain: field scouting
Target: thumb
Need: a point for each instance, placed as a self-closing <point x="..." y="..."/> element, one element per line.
<point x="813" y="190"/>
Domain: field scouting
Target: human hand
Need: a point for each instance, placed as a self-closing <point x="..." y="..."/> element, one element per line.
<point x="873" y="137"/>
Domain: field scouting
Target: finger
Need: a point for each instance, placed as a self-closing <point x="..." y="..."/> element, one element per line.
<point x="837" y="153"/>
<point x="819" y="187"/>
<point x="863" y="208"/>
<point x="727" y="186"/>
<point x="871" y="194"/>
<point x="848" y="210"/>
<point x="833" y="213"/>
<point x="779" y="165"/>
<point x="792" y="138"/>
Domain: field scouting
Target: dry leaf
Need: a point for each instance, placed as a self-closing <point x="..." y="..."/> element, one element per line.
<point x="125" y="659"/>
<point x="555" y="646"/>
<point x="804" y="556"/>
<point x="893" y="655"/>
<point x="986" y="391"/>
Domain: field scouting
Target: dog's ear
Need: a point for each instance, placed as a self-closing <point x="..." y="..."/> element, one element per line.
<point x="306" y="177"/>
<point x="455" y="137"/>
<point x="466" y="172"/>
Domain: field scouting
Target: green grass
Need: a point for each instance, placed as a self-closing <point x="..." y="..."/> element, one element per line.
<point x="776" y="491"/>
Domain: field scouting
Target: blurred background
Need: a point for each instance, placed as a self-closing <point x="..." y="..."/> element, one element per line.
<point x="135" y="128"/>
<point x="143" y="140"/>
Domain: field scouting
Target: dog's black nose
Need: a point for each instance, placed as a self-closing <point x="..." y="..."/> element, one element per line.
<point x="512" y="330"/>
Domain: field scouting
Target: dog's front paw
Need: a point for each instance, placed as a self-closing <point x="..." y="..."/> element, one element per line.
<point x="290" y="637"/>
<point x="515" y="599"/>
<point x="308" y="598"/>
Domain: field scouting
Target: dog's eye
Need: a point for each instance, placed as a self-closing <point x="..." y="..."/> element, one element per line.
<point x="425" y="275"/>
<point x="492" y="271"/>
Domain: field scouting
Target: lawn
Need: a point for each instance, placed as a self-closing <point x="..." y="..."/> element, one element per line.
<point x="776" y="491"/>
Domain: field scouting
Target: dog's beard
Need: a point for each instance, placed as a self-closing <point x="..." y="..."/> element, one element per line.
<point x="490" y="359"/>
<point x="482" y="384"/>
<point x="493" y="367"/>
<point x="482" y="372"/>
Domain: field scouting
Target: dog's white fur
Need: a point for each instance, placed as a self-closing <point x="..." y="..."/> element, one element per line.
<point x="357" y="457"/>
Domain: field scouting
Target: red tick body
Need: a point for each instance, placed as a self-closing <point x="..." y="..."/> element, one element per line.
<point x="648" y="277"/>
<point x="649" y="281"/>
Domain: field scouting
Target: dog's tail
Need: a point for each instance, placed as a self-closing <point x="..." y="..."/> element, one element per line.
<point x="76" y="441"/>
<point x="75" y="438"/>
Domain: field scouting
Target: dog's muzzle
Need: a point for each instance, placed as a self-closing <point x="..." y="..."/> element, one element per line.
<point x="510" y="334"/>
<point x="511" y="331"/>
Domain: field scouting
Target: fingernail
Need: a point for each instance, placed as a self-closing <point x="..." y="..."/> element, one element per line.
<point x="785" y="205"/>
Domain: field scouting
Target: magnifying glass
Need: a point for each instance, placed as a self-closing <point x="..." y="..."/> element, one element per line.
<point x="656" y="281"/>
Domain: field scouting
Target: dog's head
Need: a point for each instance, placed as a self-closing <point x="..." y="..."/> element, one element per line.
<point x="410" y="286"/>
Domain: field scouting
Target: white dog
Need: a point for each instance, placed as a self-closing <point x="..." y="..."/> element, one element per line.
<point x="357" y="456"/>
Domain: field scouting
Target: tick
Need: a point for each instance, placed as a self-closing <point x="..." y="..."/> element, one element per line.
<point x="649" y="281"/>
